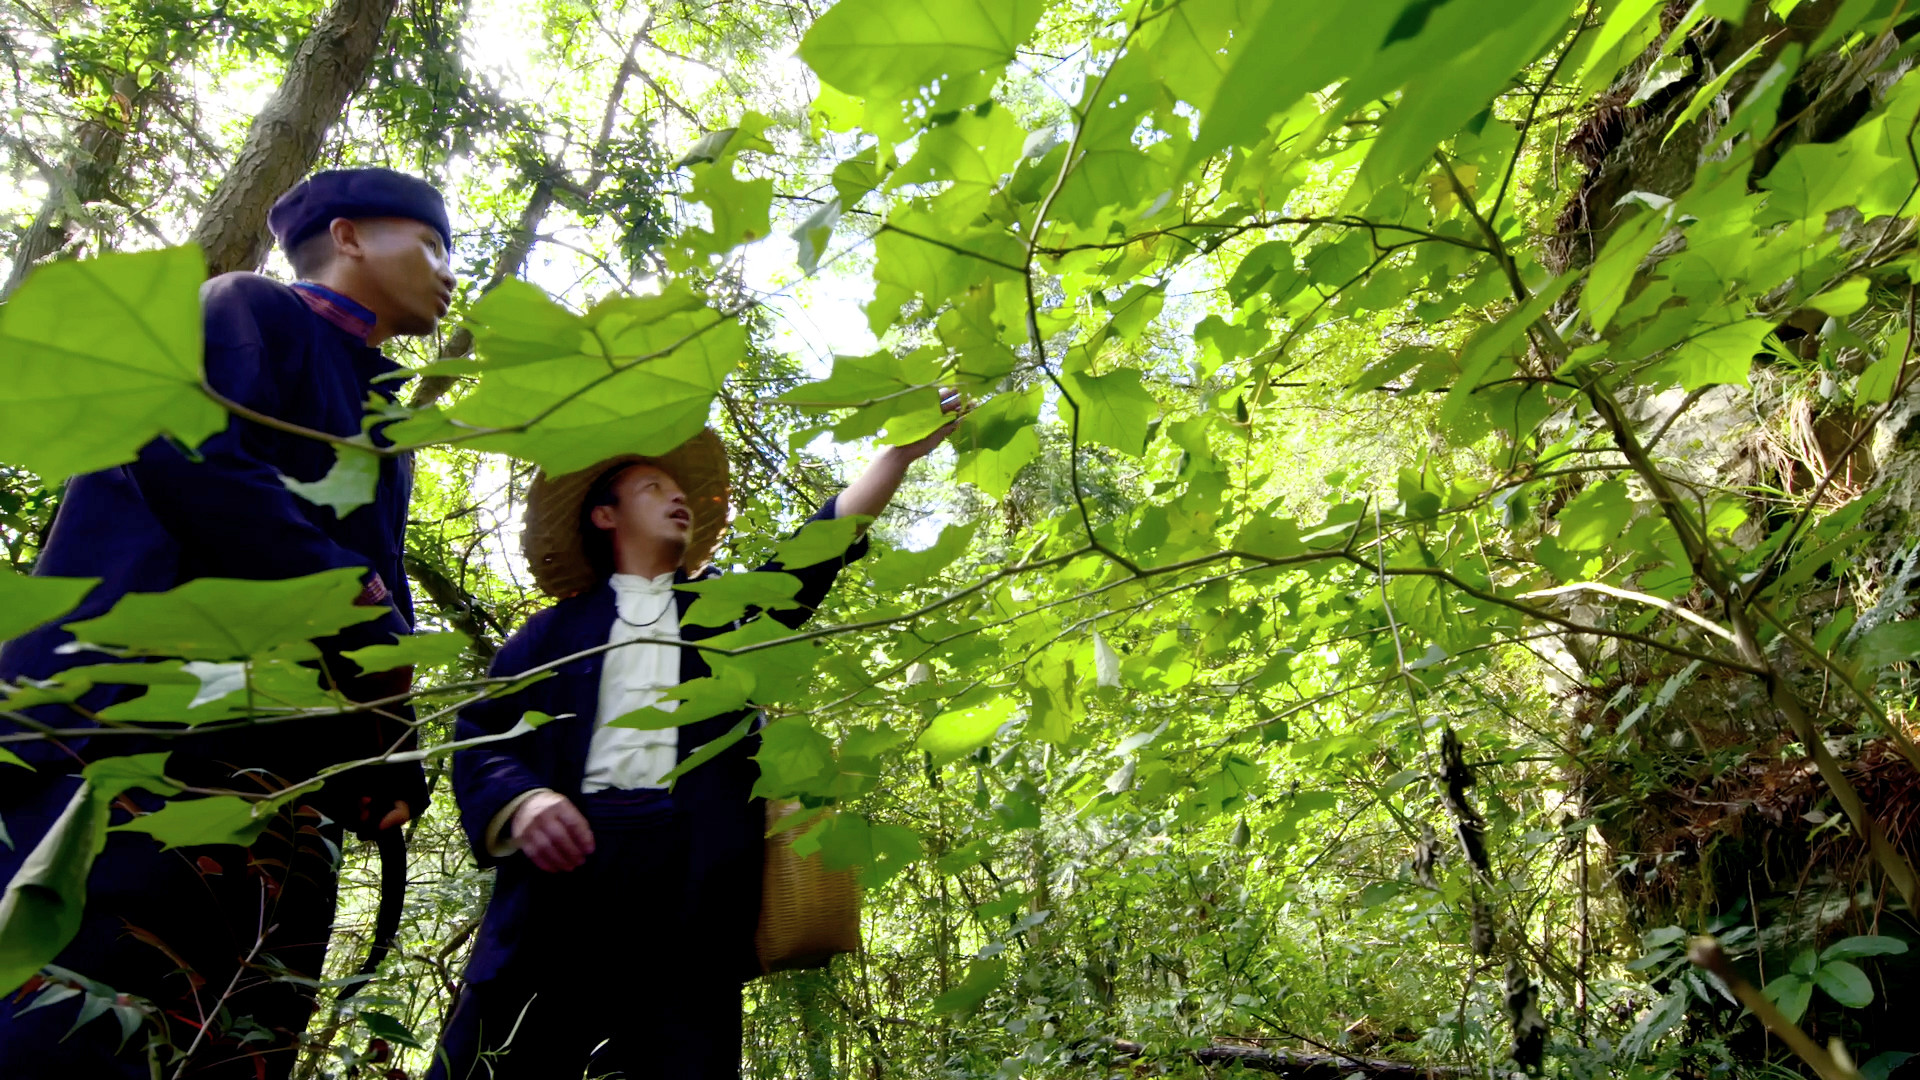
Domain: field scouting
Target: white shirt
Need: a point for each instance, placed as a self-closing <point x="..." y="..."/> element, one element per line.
<point x="632" y="677"/>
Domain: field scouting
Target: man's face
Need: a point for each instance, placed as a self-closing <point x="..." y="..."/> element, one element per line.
<point x="649" y="513"/>
<point x="403" y="271"/>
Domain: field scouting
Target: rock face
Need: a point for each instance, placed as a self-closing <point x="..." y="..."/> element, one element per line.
<point x="1718" y="811"/>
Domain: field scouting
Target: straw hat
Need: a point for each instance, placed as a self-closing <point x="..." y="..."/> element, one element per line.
<point x="555" y="549"/>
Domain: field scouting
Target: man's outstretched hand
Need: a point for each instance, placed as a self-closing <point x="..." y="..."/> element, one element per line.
<point x="873" y="490"/>
<point x="552" y="831"/>
<point x="950" y="402"/>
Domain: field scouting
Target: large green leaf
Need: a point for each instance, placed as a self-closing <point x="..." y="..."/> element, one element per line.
<point x="348" y="485"/>
<point x="1845" y="983"/>
<point x="899" y="570"/>
<point x="953" y="735"/>
<point x="27" y="602"/>
<point x="1114" y="409"/>
<point x="231" y="619"/>
<point x="983" y="977"/>
<point x="887" y="47"/>
<point x="1863" y="945"/>
<point x="794" y="759"/>
<point x="727" y="597"/>
<point x="98" y="356"/>
<point x="818" y="541"/>
<point x="217" y="819"/>
<point x="1474" y="50"/>
<point x="921" y="255"/>
<point x="641" y="380"/>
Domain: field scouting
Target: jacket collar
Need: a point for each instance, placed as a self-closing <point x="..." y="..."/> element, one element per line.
<point x="342" y="311"/>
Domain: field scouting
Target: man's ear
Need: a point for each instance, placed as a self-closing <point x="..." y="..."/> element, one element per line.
<point x="602" y="517"/>
<point x="346" y="237"/>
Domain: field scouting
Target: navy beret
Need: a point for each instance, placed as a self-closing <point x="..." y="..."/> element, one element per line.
<point x="355" y="193"/>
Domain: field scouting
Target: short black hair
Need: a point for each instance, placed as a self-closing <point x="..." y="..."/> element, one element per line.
<point x="311" y="257"/>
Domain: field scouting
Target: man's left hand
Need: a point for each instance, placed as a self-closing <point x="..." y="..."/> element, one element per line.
<point x="951" y="401"/>
<point x="398" y="815"/>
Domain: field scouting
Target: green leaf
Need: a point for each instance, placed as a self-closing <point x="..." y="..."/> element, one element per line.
<point x="983" y="977"/>
<point x="996" y="440"/>
<point x="1705" y="95"/>
<point x="231" y="619"/>
<point x="1113" y="409"/>
<point x="415" y="650"/>
<point x="640" y="377"/>
<point x="972" y="153"/>
<point x="794" y="759"/>
<point x="859" y="381"/>
<point x="1595" y="517"/>
<point x="8" y="757"/>
<point x="954" y="735"/>
<point x="709" y="750"/>
<point x="818" y="541"/>
<point x="814" y="233"/>
<point x="872" y="48"/>
<point x="727" y="597"/>
<point x="1722" y="355"/>
<point x="738" y="208"/>
<point x="921" y="255"/>
<point x="1888" y="643"/>
<point x="27" y="602"/>
<point x="1468" y="67"/>
<point x="382" y="1026"/>
<point x="348" y="485"/>
<point x="516" y="323"/>
<point x="1619" y="261"/>
<point x="40" y="911"/>
<point x="214" y="819"/>
<point x="1863" y="945"/>
<point x="1293" y="49"/>
<point x="98" y="356"/>
<point x="898" y="570"/>
<point x="1844" y="983"/>
<point x="777" y="673"/>
<point x="1843" y="299"/>
<point x="880" y="850"/>
<point x="701" y="699"/>
<point x="1622" y="20"/>
<point x="1875" y="385"/>
<point x="1792" y="994"/>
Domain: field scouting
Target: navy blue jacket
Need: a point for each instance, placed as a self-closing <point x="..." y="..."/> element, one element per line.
<point x="726" y="826"/>
<point x="167" y="518"/>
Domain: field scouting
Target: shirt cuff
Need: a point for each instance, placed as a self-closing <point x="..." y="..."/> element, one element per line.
<point x="500" y="839"/>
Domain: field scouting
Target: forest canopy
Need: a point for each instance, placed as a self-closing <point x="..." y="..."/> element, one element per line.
<point x="1432" y="537"/>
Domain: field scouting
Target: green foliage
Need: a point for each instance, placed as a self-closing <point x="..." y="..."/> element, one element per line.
<point x="1320" y="400"/>
<point x="86" y="391"/>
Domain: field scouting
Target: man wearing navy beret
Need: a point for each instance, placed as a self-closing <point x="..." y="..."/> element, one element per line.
<point x="217" y="947"/>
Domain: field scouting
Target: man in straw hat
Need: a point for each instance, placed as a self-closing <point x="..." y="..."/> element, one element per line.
<point x="622" y="922"/>
<point x="212" y="943"/>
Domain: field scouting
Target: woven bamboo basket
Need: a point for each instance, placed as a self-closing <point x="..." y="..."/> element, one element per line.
<point x="808" y="913"/>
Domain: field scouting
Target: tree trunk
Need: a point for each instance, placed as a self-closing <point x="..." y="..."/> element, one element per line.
<point x="285" y="139"/>
<point x="95" y="158"/>
<point x="1722" y="829"/>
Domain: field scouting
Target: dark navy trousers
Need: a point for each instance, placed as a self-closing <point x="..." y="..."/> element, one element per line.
<point x="604" y="979"/>
<point x="221" y="937"/>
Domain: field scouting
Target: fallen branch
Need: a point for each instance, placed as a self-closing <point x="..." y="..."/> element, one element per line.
<point x="1296" y="1065"/>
